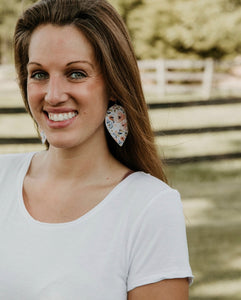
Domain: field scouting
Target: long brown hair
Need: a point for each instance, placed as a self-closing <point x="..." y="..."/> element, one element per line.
<point x="106" y="31"/>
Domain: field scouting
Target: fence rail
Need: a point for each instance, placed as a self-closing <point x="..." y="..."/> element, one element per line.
<point x="192" y="159"/>
<point x="181" y="104"/>
<point x="177" y="76"/>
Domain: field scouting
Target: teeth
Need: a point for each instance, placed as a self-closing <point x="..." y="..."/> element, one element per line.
<point x="62" y="116"/>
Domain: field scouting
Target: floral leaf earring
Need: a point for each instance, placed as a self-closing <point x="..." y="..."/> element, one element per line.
<point x="116" y="123"/>
<point x="42" y="135"/>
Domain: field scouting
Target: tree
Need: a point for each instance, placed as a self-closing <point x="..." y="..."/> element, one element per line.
<point x="9" y="12"/>
<point x="159" y="28"/>
<point x="181" y="28"/>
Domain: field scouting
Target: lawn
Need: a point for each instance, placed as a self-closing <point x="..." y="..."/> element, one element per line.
<point x="212" y="206"/>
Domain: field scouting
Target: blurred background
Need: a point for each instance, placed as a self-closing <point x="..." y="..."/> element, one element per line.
<point x="189" y="55"/>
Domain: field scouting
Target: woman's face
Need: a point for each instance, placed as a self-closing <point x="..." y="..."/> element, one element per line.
<point x="66" y="91"/>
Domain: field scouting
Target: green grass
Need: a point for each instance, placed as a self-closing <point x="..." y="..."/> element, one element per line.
<point x="212" y="206"/>
<point x="195" y="117"/>
<point x="199" y="144"/>
<point x="216" y="93"/>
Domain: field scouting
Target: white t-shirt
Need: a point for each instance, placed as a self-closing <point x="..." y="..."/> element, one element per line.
<point x="135" y="236"/>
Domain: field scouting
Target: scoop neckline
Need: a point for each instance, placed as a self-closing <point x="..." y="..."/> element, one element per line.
<point x="79" y="220"/>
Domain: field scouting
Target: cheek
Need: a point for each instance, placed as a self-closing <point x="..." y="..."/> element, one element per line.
<point x="103" y="97"/>
<point x="34" y="99"/>
<point x="94" y="98"/>
<point x="33" y="94"/>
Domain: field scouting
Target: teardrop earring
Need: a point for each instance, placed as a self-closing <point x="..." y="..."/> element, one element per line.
<point x="42" y="135"/>
<point x="116" y="123"/>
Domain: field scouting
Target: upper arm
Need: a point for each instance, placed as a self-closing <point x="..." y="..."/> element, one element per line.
<point x="171" y="289"/>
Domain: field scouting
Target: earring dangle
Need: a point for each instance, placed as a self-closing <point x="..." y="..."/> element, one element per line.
<point x="43" y="136"/>
<point x="116" y="123"/>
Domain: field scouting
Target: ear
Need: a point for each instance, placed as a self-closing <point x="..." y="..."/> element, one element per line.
<point x="113" y="99"/>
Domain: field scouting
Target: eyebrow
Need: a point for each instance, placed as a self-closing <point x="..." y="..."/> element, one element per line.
<point x="33" y="63"/>
<point x="68" y="64"/>
<point x="81" y="61"/>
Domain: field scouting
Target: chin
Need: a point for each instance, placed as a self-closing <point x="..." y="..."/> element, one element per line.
<point x="62" y="144"/>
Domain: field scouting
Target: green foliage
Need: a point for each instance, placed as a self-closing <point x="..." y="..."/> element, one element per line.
<point x="9" y="11"/>
<point x="160" y="28"/>
<point x="180" y="28"/>
<point x="126" y="6"/>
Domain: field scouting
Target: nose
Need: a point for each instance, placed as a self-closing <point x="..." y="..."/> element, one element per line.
<point x="55" y="92"/>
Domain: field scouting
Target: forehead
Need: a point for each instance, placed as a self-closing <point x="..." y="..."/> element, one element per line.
<point x="50" y="42"/>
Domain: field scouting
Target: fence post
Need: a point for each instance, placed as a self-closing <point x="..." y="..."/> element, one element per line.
<point x="160" y="76"/>
<point x="207" y="78"/>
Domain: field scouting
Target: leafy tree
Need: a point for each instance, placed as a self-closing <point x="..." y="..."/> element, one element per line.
<point x="207" y="28"/>
<point x="9" y="11"/>
<point x="159" y="28"/>
<point x="180" y="28"/>
<point x="126" y="6"/>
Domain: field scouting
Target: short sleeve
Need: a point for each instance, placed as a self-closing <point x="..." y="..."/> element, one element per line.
<point x="157" y="246"/>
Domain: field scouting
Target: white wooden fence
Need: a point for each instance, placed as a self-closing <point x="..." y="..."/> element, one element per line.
<point x="165" y="77"/>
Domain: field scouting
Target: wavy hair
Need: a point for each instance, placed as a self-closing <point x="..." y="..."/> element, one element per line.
<point x="107" y="33"/>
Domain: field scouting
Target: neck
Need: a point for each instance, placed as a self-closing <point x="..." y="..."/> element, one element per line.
<point x="85" y="164"/>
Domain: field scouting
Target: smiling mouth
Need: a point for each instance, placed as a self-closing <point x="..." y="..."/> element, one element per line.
<point x="61" y="116"/>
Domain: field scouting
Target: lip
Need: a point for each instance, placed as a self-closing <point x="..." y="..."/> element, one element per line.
<point x="59" y="110"/>
<point x="59" y="124"/>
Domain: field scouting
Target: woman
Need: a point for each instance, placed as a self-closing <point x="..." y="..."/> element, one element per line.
<point x="84" y="219"/>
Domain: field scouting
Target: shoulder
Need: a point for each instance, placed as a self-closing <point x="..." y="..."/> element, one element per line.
<point x="6" y="159"/>
<point x="147" y="188"/>
<point x="150" y="181"/>
<point x="13" y="162"/>
<point x="144" y="195"/>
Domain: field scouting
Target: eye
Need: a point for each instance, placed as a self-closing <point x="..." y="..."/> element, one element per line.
<point x="39" y="75"/>
<point x="77" y="75"/>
